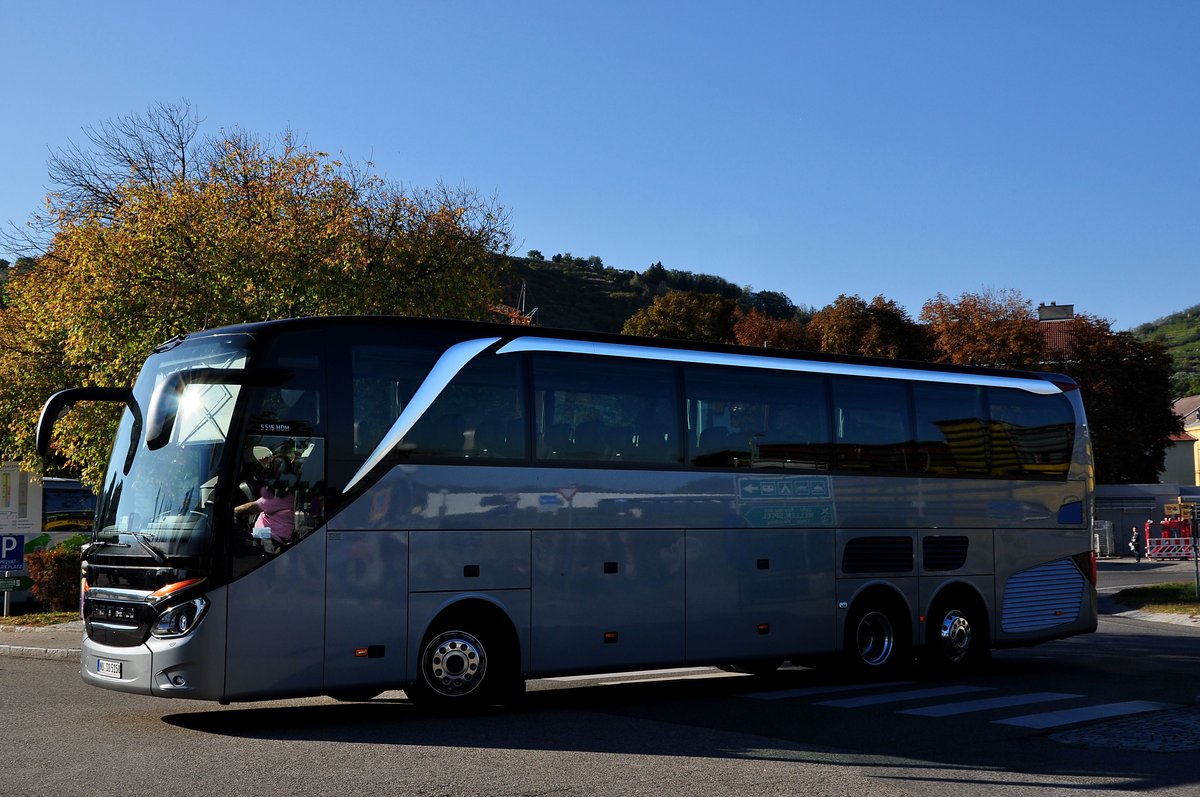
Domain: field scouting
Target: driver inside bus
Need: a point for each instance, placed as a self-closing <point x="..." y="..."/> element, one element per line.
<point x="275" y="504"/>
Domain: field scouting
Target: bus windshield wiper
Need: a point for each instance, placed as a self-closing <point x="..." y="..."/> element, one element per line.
<point x="142" y="539"/>
<point x="107" y="544"/>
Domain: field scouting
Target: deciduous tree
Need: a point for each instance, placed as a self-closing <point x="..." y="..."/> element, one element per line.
<point x="880" y="329"/>
<point x="759" y="329"/>
<point x="685" y="315"/>
<point x="228" y="230"/>
<point x="1126" y="387"/>
<point x="771" y="303"/>
<point x="988" y="328"/>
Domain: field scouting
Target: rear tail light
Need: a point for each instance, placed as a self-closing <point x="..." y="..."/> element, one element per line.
<point x="1086" y="562"/>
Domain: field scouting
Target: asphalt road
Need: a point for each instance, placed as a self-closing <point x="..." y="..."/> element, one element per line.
<point x="1117" y="574"/>
<point x="1031" y="725"/>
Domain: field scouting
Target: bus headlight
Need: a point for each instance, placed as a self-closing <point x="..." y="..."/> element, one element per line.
<point x="180" y="620"/>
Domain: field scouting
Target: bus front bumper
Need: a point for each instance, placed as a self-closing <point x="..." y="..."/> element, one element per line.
<point x="188" y="667"/>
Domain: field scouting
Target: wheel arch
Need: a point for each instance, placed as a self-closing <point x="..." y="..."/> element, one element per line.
<point x="960" y="591"/>
<point x="471" y="608"/>
<point x="876" y="593"/>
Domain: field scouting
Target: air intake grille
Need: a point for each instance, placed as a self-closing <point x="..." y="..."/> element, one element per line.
<point x="878" y="555"/>
<point x="942" y="554"/>
<point x="1042" y="598"/>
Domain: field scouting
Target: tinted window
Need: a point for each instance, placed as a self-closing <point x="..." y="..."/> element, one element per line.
<point x="604" y="410"/>
<point x="872" y="426"/>
<point x="57" y="498"/>
<point x="280" y="498"/>
<point x="759" y="419"/>
<point x="384" y="379"/>
<point x="951" y="429"/>
<point x="1031" y="435"/>
<point x="480" y="414"/>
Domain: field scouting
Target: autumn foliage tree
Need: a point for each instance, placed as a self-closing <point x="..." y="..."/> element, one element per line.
<point x="991" y="328"/>
<point x="685" y="315"/>
<point x="756" y="328"/>
<point x="880" y="329"/>
<point x="154" y="232"/>
<point x="1125" y="383"/>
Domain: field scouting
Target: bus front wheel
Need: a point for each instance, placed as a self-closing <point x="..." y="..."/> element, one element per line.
<point x="463" y="665"/>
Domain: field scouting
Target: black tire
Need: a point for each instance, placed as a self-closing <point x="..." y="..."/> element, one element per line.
<point x="956" y="636"/>
<point x="877" y="638"/>
<point x="463" y="665"/>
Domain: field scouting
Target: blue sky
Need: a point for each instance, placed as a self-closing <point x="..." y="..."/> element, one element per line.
<point x="867" y="148"/>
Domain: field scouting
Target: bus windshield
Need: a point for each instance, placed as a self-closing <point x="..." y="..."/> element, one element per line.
<point x="158" y="503"/>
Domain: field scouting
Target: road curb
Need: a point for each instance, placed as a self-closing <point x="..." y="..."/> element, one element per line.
<point x="20" y="651"/>
<point x="1108" y="606"/>
<point x="61" y="642"/>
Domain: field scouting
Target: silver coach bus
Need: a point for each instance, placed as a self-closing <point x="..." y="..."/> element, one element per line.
<point x="341" y="506"/>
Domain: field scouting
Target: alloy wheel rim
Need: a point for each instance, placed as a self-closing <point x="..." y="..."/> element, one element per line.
<point x="454" y="663"/>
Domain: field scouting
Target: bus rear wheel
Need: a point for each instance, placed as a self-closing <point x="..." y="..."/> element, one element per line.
<point x="876" y="638"/>
<point x="956" y="636"/>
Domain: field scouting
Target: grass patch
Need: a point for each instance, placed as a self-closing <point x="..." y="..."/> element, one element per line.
<point x="40" y="618"/>
<point x="1177" y="597"/>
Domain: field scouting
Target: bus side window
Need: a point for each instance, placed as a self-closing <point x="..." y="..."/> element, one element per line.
<point x="1031" y="435"/>
<point x="616" y="411"/>
<point x="479" y="415"/>
<point x="384" y="378"/>
<point x="874" y="430"/>
<point x="281" y="495"/>
<point x="757" y="419"/>
<point x="951" y="430"/>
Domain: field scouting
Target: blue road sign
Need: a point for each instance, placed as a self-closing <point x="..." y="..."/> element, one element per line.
<point x="12" y="552"/>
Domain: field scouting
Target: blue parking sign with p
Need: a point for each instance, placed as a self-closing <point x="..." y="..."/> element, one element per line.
<point x="12" y="552"/>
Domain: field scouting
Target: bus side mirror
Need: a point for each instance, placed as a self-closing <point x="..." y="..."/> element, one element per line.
<point x="61" y="402"/>
<point x="164" y="408"/>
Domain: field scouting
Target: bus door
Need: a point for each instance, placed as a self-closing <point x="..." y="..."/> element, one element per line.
<point x="276" y="614"/>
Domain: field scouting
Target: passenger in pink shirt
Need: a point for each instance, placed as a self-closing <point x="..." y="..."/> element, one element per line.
<point x="276" y="504"/>
<point x="276" y="513"/>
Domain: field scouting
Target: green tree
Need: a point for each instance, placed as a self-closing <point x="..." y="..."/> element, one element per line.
<point x="685" y="315"/>
<point x="772" y="303"/>
<point x="1126" y="388"/>
<point x="194" y="236"/>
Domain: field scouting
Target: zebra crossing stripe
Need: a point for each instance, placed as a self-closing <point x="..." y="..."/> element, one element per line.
<point x="1053" y="719"/>
<point x="899" y="697"/>
<point x="699" y="676"/>
<point x="987" y="704"/>
<point x="593" y="677"/>
<point x="811" y="691"/>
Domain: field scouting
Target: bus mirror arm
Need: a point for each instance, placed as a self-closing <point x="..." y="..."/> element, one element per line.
<point x="164" y="404"/>
<point x="61" y="402"/>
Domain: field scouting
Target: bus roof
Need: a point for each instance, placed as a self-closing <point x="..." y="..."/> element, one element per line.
<point x="508" y="333"/>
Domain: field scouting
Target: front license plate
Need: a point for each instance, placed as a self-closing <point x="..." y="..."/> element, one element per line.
<point x="109" y="669"/>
